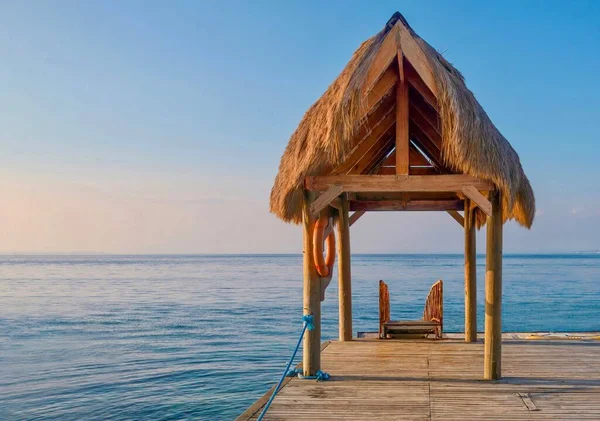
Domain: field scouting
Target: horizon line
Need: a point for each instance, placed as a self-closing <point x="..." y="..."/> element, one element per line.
<point x="540" y="253"/>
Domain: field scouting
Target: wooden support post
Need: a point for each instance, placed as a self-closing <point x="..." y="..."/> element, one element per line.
<point x="402" y="136"/>
<point x="493" y="292"/>
<point x="344" y="270"/>
<point x="470" y="274"/>
<point x="312" y="292"/>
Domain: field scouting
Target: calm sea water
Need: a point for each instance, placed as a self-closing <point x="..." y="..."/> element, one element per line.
<point x="202" y="337"/>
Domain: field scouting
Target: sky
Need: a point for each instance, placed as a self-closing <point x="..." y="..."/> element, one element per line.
<point x="157" y="127"/>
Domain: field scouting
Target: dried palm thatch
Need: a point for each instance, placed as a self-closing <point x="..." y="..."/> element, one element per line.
<point x="471" y="144"/>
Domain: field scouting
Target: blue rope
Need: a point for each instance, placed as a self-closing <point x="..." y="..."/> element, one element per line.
<point x="319" y="376"/>
<point x="308" y="324"/>
<point x="293" y="372"/>
<point x="322" y="376"/>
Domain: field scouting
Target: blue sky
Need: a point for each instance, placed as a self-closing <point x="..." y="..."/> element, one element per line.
<point x="157" y="127"/>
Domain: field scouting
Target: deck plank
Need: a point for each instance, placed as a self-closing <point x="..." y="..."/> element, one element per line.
<point x="441" y="380"/>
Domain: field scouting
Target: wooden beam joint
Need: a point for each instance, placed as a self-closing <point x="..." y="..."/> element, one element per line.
<point x="325" y="199"/>
<point x="457" y="217"/>
<point x="355" y="216"/>
<point x="473" y="193"/>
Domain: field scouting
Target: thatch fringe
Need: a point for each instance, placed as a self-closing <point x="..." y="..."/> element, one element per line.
<point x="471" y="144"/>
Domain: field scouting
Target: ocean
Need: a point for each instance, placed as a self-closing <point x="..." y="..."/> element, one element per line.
<point x="202" y="337"/>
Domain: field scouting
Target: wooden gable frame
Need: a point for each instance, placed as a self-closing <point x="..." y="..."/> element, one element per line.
<point x="400" y="134"/>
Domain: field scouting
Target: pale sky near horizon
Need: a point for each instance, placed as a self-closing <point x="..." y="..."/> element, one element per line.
<point x="157" y="127"/>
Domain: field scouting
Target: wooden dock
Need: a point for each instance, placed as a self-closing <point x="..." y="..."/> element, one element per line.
<point x="441" y="380"/>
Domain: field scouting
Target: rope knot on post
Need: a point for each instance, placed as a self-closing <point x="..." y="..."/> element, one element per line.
<point x="308" y="320"/>
<point x="322" y="376"/>
<point x="308" y="324"/>
<point x="293" y="372"/>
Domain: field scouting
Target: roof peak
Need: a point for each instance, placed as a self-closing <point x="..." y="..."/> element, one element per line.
<point x="397" y="16"/>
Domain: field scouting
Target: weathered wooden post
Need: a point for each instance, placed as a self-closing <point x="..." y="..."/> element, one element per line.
<point x="493" y="291"/>
<point x="312" y="292"/>
<point x="344" y="270"/>
<point x="470" y="274"/>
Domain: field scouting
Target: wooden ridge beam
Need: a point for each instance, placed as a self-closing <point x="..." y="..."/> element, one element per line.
<point x="397" y="183"/>
<point x="480" y="200"/>
<point x="457" y="217"/>
<point x="407" y="205"/>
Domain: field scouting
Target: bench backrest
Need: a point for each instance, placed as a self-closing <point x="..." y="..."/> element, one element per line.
<point x="384" y="305"/>
<point x="434" y="305"/>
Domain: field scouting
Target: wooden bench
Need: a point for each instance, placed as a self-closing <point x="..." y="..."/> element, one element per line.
<point x="432" y="322"/>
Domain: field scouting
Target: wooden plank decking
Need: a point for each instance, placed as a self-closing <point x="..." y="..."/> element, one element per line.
<point x="441" y="380"/>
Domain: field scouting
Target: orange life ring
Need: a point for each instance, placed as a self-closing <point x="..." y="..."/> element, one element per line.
<point x="324" y="265"/>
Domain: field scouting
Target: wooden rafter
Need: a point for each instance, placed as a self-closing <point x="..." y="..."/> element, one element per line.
<point x="386" y="55"/>
<point x="375" y="115"/>
<point x="382" y="88"/>
<point x="417" y="118"/>
<point x="416" y="157"/>
<point x="390" y="160"/>
<point x="372" y="159"/>
<point x="416" y="57"/>
<point x="426" y="145"/>
<point x="398" y="183"/>
<point x="367" y="143"/>
<point x="430" y="113"/>
<point x="417" y="83"/>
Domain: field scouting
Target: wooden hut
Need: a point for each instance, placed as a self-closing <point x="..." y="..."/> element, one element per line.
<point x="399" y="130"/>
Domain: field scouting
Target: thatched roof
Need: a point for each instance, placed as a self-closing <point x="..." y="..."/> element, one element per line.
<point x="470" y="143"/>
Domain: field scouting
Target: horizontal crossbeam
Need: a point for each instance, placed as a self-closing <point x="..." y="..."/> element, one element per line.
<point x="403" y="205"/>
<point x="397" y="183"/>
